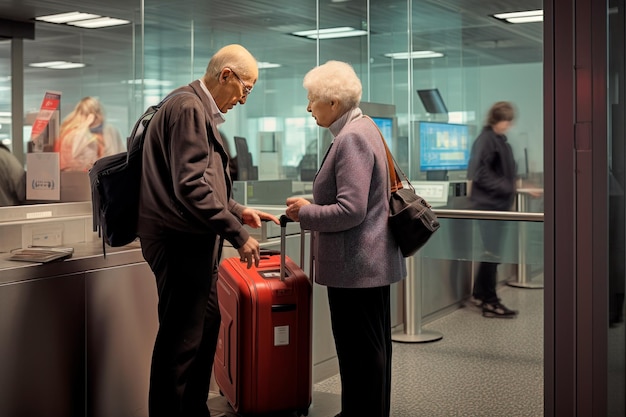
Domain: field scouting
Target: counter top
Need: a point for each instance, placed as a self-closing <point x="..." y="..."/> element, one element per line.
<point x="87" y="256"/>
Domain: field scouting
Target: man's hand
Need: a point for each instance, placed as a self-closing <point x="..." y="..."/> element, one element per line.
<point x="249" y="252"/>
<point x="253" y="217"/>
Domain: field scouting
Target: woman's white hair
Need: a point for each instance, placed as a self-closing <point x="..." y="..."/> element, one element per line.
<point x="334" y="80"/>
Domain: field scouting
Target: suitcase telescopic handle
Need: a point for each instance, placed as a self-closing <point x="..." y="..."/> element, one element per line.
<point x="283" y="244"/>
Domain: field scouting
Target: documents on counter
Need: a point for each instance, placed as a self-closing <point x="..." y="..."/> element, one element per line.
<point x="41" y="254"/>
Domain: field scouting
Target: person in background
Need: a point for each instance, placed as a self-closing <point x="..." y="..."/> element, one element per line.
<point x="357" y="258"/>
<point x="186" y="213"/>
<point x="12" y="179"/>
<point x="84" y="137"/>
<point x="493" y="174"/>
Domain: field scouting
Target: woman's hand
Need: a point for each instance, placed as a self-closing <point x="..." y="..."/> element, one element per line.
<point x="293" y="207"/>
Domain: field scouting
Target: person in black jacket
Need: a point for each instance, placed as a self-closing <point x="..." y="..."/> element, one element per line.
<point x="493" y="175"/>
<point x="187" y="212"/>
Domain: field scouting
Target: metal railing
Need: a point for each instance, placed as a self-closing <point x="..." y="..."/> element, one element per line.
<point x="488" y="215"/>
<point x="413" y="332"/>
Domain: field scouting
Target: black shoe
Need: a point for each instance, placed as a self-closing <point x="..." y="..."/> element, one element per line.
<point x="497" y="310"/>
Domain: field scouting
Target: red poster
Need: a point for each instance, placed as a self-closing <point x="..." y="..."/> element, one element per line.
<point x="50" y="103"/>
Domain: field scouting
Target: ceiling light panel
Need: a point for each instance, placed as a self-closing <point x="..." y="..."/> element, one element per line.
<point x="266" y="65"/>
<point x="84" y="20"/>
<point x="527" y="19"/>
<point x="100" y="22"/>
<point x="525" y="13"/>
<point x="68" y="65"/>
<point x="414" y="55"/>
<point x="331" y="33"/>
<point x="66" y="17"/>
<point x="527" y="16"/>
<point x="57" y="65"/>
<point x="46" y="64"/>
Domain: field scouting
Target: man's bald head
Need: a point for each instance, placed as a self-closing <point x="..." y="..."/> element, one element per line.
<point x="235" y="57"/>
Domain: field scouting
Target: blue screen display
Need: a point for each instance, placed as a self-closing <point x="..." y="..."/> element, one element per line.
<point x="385" y="124"/>
<point x="443" y="146"/>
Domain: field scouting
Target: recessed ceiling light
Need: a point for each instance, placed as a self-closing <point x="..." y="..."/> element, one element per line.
<point x="414" y="55"/>
<point x="66" y="17"/>
<point x="84" y="20"/>
<point x="57" y="65"/>
<point x="100" y="22"/>
<point x="45" y="64"/>
<point x="528" y="19"/>
<point x="68" y="65"/>
<point x="330" y="33"/>
<point x="526" y="16"/>
<point x="266" y="65"/>
<point x="149" y="82"/>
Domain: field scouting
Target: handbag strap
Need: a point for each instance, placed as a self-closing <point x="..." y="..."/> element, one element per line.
<point x="394" y="180"/>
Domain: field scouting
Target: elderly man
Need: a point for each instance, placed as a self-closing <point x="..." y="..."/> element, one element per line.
<point x="186" y="213"/>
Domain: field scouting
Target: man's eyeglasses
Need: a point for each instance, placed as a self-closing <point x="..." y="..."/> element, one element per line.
<point x="247" y="90"/>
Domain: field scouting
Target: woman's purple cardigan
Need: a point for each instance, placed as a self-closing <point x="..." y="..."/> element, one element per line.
<point x="355" y="248"/>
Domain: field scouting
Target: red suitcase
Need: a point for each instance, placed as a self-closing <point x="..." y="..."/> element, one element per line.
<point x="263" y="359"/>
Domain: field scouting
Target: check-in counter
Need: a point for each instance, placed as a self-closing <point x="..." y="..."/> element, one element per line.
<point x="77" y="334"/>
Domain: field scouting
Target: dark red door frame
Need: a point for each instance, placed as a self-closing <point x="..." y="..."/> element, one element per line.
<point x="576" y="207"/>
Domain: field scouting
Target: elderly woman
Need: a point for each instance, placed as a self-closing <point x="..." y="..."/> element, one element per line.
<point x="357" y="257"/>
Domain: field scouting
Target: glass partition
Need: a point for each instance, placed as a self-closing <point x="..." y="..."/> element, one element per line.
<point x="132" y="66"/>
<point x="104" y="69"/>
<point x="460" y="239"/>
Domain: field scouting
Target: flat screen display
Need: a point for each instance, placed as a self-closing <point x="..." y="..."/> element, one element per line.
<point x="432" y="101"/>
<point x="443" y="146"/>
<point x="385" y="124"/>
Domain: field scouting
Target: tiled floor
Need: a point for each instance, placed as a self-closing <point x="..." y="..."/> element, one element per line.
<point x="481" y="368"/>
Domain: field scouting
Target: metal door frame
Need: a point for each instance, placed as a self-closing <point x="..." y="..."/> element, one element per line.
<point x="576" y="246"/>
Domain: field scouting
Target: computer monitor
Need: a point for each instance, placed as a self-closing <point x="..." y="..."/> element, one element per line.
<point x="443" y="146"/>
<point x="432" y="101"/>
<point x="385" y="124"/>
<point x="384" y="115"/>
<point x="245" y="169"/>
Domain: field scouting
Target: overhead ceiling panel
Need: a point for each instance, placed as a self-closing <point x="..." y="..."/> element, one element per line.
<point x="463" y="29"/>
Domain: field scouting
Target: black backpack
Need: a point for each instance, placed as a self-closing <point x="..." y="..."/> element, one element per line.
<point x="115" y="183"/>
